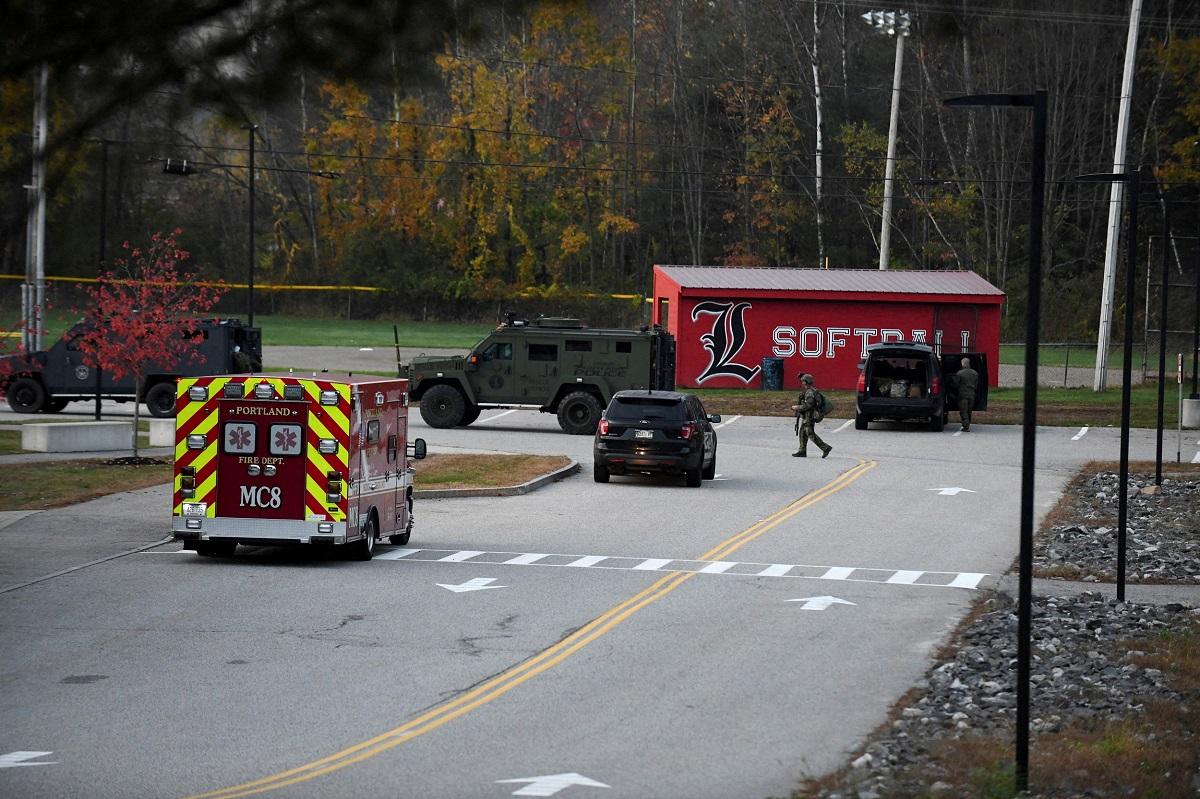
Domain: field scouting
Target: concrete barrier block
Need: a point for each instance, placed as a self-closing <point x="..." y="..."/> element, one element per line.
<point x="1191" y="413"/>
<point x="77" y="436"/>
<point x="162" y="432"/>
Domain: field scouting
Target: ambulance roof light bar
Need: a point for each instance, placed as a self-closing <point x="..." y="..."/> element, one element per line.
<point x="264" y="391"/>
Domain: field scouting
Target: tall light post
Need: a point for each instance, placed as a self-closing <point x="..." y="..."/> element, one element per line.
<point x="1134" y="179"/>
<point x="252" y="128"/>
<point x="893" y="23"/>
<point x="1033" y="312"/>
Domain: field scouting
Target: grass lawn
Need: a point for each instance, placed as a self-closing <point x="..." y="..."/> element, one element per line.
<point x="1066" y="407"/>
<point x="52" y="484"/>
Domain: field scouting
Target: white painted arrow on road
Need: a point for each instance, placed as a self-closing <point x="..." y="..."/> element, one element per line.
<point x="951" y="491"/>
<point x="14" y="759"/>
<point x="550" y="784"/>
<point x="475" y="584"/>
<point x="820" y="602"/>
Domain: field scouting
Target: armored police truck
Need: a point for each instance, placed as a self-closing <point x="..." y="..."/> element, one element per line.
<point x="47" y="380"/>
<point x="555" y="365"/>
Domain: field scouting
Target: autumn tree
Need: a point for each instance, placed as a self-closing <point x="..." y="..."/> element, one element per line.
<point x="143" y="312"/>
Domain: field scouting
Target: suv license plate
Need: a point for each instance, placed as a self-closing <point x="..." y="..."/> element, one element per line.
<point x="643" y="434"/>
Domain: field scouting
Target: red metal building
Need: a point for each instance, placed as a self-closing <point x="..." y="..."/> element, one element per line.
<point x="727" y="319"/>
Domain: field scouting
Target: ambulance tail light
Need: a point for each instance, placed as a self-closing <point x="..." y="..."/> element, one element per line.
<point x="935" y="386"/>
<point x="329" y="398"/>
<point x="333" y="487"/>
<point x="862" y="383"/>
<point x="198" y="393"/>
<point x="293" y="392"/>
<point x="327" y="446"/>
<point x="187" y="482"/>
<point x="234" y="391"/>
<point x="197" y="441"/>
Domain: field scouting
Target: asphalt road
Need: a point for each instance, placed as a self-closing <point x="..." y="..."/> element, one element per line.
<point x="640" y="635"/>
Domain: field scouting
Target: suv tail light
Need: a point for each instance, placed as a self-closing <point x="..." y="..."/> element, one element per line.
<point x="862" y="383"/>
<point x="603" y="428"/>
<point x="687" y="430"/>
<point x="935" y="386"/>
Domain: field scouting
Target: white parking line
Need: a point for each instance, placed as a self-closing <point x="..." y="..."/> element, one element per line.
<point x="1082" y="432"/>
<point x="730" y="420"/>
<point x="845" y="424"/>
<point x="1197" y="458"/>
<point x="957" y="433"/>
<point x="497" y="416"/>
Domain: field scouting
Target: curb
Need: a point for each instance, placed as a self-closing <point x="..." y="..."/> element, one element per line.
<point x="500" y="491"/>
<point x="1143" y="593"/>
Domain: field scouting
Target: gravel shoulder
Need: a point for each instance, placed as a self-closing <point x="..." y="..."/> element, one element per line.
<point x="1090" y="673"/>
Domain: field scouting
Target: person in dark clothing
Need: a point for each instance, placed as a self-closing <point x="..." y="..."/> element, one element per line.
<point x="805" y="412"/>
<point x="967" y="381"/>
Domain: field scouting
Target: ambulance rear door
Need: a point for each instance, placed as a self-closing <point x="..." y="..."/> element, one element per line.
<point x="261" y="469"/>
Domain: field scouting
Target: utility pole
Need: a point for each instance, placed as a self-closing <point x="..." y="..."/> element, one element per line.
<point x="1100" y="379"/>
<point x="893" y="23"/>
<point x="33" y="293"/>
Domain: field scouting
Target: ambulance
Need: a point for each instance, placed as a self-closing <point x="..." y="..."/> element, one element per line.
<point x="272" y="460"/>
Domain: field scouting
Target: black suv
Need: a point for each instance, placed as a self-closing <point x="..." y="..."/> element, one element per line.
<point x="909" y="380"/>
<point x="662" y="432"/>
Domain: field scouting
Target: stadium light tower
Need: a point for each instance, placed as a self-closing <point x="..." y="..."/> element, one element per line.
<point x="892" y="23"/>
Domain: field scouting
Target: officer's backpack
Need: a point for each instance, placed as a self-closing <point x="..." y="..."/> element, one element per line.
<point x="822" y="407"/>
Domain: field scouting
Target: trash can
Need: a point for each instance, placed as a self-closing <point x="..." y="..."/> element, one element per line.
<point x="772" y="374"/>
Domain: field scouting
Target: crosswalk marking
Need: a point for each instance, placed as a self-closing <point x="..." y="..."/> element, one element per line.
<point x="774" y="570"/>
<point x="651" y="564"/>
<point x="524" y="560"/>
<point x="589" y="560"/>
<point x="459" y="557"/>
<point x="967" y="580"/>
<point x="854" y="574"/>
<point x="904" y="578"/>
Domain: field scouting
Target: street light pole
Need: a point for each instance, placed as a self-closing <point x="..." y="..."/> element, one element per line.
<point x="1162" y="337"/>
<point x="250" y="249"/>
<point x="1037" y="200"/>
<point x="1134" y="179"/>
<point x="894" y="23"/>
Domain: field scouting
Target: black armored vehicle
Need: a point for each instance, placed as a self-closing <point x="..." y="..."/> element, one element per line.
<point x="556" y="365"/>
<point x="47" y="380"/>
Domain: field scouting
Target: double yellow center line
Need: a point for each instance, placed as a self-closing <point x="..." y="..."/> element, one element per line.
<point x="535" y="665"/>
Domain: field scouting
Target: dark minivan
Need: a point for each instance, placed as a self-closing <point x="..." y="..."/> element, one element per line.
<point x="656" y="432"/>
<point x="909" y="380"/>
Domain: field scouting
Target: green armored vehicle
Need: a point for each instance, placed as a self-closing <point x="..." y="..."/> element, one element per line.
<point x="556" y="365"/>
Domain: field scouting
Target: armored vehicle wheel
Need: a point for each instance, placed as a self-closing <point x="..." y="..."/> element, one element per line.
<point x="443" y="406"/>
<point x="364" y="548"/>
<point x="693" y="477"/>
<point x="216" y="549"/>
<point x="54" y="405"/>
<point x="861" y="420"/>
<point x="579" y="413"/>
<point x="599" y="473"/>
<point x="470" y="414"/>
<point x="710" y="471"/>
<point x="26" y="395"/>
<point x="937" y="423"/>
<point x="160" y="400"/>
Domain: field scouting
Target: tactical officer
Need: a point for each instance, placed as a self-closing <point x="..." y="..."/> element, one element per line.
<point x="805" y="411"/>
<point x="967" y="380"/>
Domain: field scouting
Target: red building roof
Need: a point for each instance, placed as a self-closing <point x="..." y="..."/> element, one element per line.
<point x="871" y="281"/>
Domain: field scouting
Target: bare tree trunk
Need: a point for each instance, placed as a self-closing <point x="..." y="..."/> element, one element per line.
<point x="820" y="152"/>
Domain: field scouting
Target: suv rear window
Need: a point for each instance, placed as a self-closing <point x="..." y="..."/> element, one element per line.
<point x="632" y="409"/>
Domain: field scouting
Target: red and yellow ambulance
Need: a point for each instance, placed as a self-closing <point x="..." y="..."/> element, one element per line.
<point x="281" y="459"/>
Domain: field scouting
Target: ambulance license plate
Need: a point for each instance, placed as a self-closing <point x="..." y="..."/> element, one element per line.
<point x="194" y="508"/>
<point x="643" y="434"/>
